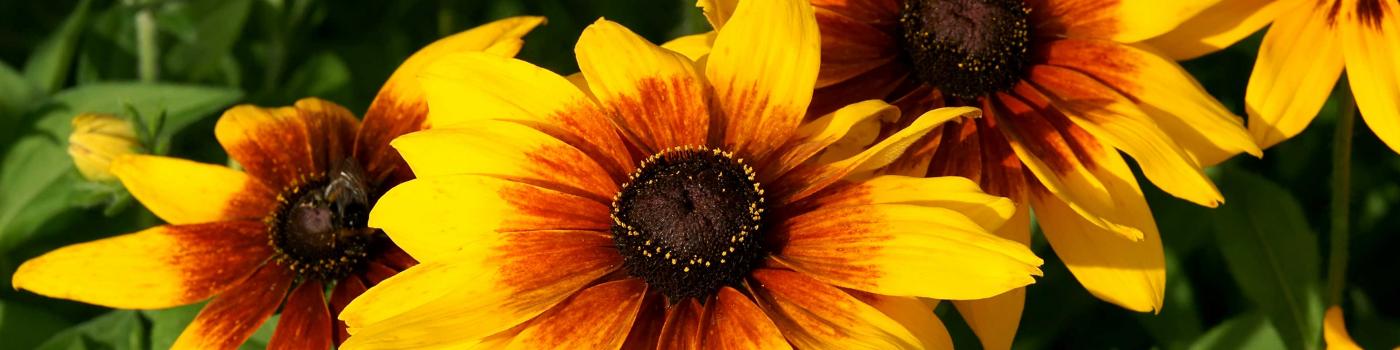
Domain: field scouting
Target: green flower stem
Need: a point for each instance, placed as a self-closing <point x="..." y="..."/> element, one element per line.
<point x="1341" y="197"/>
<point x="147" y="51"/>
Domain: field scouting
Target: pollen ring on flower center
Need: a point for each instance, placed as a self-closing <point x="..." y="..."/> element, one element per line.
<point x="319" y="229"/>
<point x="967" y="48"/>
<point x="688" y="222"/>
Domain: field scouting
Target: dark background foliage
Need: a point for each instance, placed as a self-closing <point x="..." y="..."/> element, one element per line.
<point x="1251" y="274"/>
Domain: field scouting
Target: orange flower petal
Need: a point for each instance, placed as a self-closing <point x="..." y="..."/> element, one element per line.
<point x="159" y="267"/>
<point x="184" y="192"/>
<point x="232" y="317"/>
<point x="850" y="47"/>
<point x="736" y="323"/>
<point x="598" y="317"/>
<point x="813" y="314"/>
<point x="1120" y="20"/>
<point x="684" y="322"/>
<point x="306" y="322"/>
<point x="281" y="146"/>
<point x="877" y="12"/>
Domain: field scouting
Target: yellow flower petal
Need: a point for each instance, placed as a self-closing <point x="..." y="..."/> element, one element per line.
<point x="184" y="192"/>
<point x="470" y="86"/>
<point x="996" y="319"/>
<point x="1123" y="20"/>
<point x="1218" y="27"/>
<point x="598" y="317"/>
<point x="904" y="250"/>
<point x="814" y="315"/>
<point x="657" y="97"/>
<point x="1115" y="120"/>
<point x="916" y="315"/>
<point x="479" y="291"/>
<point x="823" y="135"/>
<point x="1290" y="84"/>
<point x="1372" y="51"/>
<point x="160" y="267"/>
<point x="949" y="192"/>
<point x="694" y="46"/>
<point x="506" y="150"/>
<point x="717" y="11"/>
<point x="1131" y="274"/>
<point x="763" y="68"/>
<point x="1334" y="331"/>
<point x="281" y="146"/>
<point x="1165" y="91"/>
<point x="434" y="217"/>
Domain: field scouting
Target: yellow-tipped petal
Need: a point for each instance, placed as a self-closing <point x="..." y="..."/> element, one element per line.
<point x="763" y="68"/>
<point x="949" y="192"/>
<point x="816" y="315"/>
<point x="996" y="319"/>
<point x="185" y="192"/>
<point x="1372" y="50"/>
<point x="1290" y="84"/>
<point x="598" y="317"/>
<point x="656" y="96"/>
<point x="838" y="135"/>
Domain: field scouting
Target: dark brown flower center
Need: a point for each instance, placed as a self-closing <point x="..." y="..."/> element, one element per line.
<point x="319" y="229"/>
<point x="688" y="222"/>
<point x="967" y="48"/>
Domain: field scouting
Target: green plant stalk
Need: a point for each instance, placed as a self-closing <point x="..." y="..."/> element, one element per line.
<point x="147" y="50"/>
<point x="1341" y="197"/>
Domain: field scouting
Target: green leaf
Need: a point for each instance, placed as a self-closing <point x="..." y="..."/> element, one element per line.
<point x="24" y="327"/>
<point x="115" y="330"/>
<point x="36" y="174"/>
<point x="325" y="75"/>
<point x="16" y="95"/>
<point x="207" y="30"/>
<point x="1244" y="332"/>
<point x="1272" y="255"/>
<point x="49" y="64"/>
<point x="1179" y="322"/>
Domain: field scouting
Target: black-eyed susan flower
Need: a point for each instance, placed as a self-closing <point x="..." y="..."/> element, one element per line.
<point x="1304" y="53"/>
<point x="1064" y="86"/>
<point x="280" y="233"/>
<point x="96" y="140"/>
<point x="676" y="207"/>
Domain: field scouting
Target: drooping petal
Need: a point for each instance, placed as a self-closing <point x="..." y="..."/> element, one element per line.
<point x="996" y="319"/>
<point x="433" y="217"/>
<point x="159" y="267"/>
<point x="812" y="314"/>
<point x="1217" y="27"/>
<point x="1372" y="47"/>
<point x="184" y="192"/>
<point x="228" y="320"/>
<point x="1129" y="273"/>
<point x="1120" y="20"/>
<point x="1116" y="121"/>
<point x="281" y="146"/>
<point x="305" y="322"/>
<point x="656" y="95"/>
<point x="479" y="291"/>
<point x="763" y="67"/>
<point x="903" y="250"/>
<point x="816" y="136"/>
<point x="684" y="323"/>
<point x="1162" y="89"/>
<point x="598" y="317"/>
<point x="1066" y="160"/>
<point x="851" y="47"/>
<point x="694" y="46"/>
<point x="470" y="86"/>
<point x="811" y="177"/>
<point x="506" y="150"/>
<point x="949" y="192"/>
<point x="735" y="323"/>
<point x="402" y="107"/>
<point x="1334" y="331"/>
<point x="1289" y="85"/>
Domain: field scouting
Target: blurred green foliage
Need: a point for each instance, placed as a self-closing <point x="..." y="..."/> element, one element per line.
<point x="1248" y="275"/>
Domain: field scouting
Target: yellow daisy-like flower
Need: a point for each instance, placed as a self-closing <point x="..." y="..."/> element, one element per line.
<point x="1303" y="55"/>
<point x="278" y="234"/>
<point x="1064" y="86"/>
<point x="674" y="207"/>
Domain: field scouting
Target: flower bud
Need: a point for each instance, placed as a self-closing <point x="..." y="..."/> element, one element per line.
<point x="96" y="140"/>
